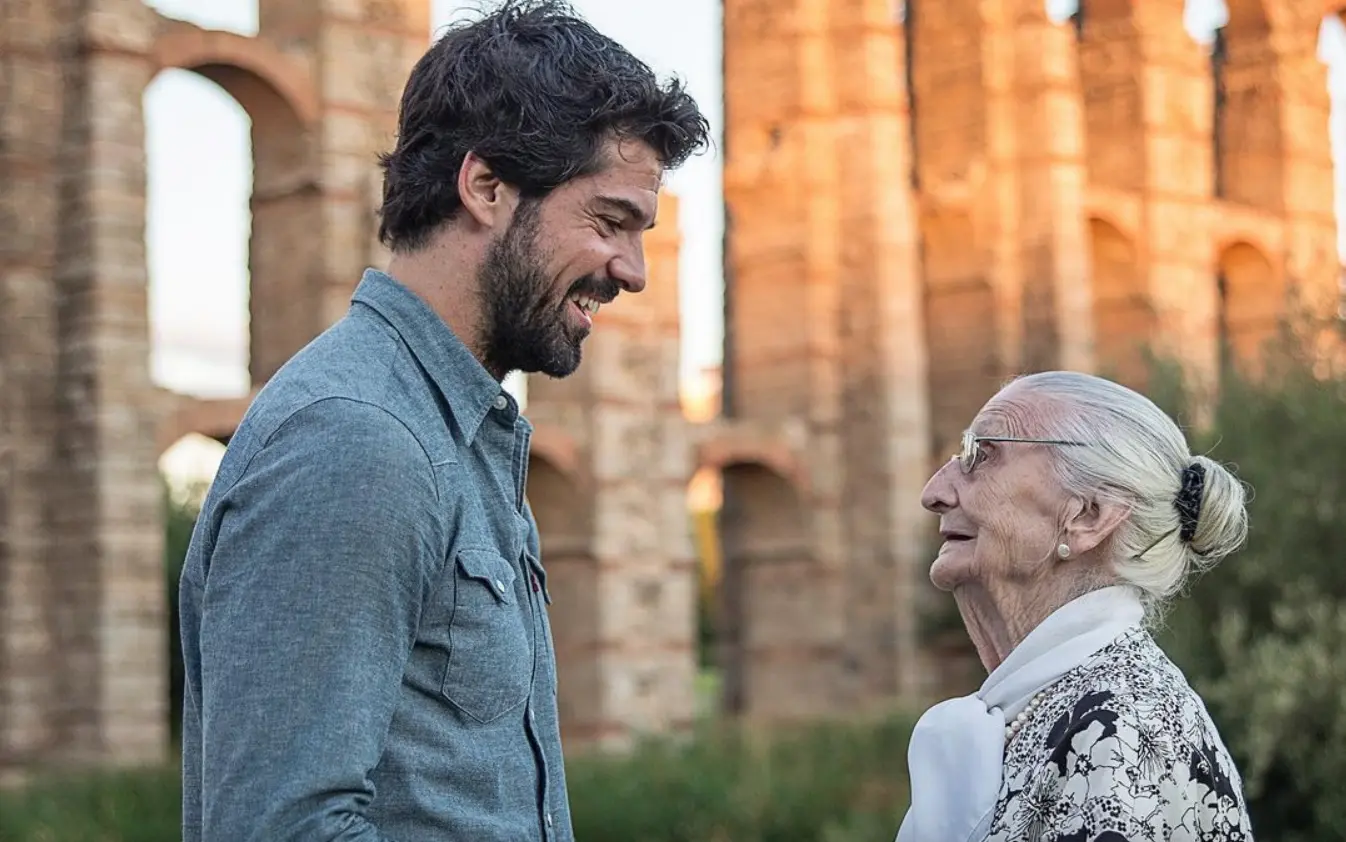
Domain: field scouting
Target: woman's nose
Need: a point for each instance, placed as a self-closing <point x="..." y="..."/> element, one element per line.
<point x="939" y="496"/>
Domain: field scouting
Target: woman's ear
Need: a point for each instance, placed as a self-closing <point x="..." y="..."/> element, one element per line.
<point x="1092" y="523"/>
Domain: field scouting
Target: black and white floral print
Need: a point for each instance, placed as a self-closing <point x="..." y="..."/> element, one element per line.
<point x="1121" y="749"/>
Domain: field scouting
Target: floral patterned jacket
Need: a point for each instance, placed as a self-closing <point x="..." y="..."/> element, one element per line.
<point x="1121" y="749"/>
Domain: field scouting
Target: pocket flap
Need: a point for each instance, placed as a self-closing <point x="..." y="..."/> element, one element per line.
<point x="492" y="570"/>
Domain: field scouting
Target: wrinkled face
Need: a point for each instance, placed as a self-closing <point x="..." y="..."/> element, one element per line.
<point x="1000" y="520"/>
<point x="544" y="279"/>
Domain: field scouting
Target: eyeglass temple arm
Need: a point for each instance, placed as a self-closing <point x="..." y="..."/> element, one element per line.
<point x="1027" y="441"/>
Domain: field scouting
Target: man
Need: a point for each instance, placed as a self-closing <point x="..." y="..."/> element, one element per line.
<point x="363" y="605"/>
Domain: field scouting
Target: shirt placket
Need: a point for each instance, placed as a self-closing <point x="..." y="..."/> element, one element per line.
<point x="520" y="472"/>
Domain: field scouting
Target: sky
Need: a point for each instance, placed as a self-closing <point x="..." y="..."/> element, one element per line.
<point x="200" y="180"/>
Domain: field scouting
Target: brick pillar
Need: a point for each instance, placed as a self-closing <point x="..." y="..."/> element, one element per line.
<point x="287" y="243"/>
<point x="1177" y="96"/>
<point x="617" y="545"/>
<point x="359" y="56"/>
<point x="31" y="37"/>
<point x="1311" y="261"/>
<point x="782" y="589"/>
<point x="1006" y="272"/>
<point x="101" y="593"/>
<point x="951" y="123"/>
<point x="884" y="424"/>
<point x="1053" y="253"/>
<point x="1111" y="61"/>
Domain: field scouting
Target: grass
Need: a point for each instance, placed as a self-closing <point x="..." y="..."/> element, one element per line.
<point x="134" y="805"/>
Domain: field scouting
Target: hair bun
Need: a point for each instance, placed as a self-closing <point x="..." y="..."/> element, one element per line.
<point x="1212" y="510"/>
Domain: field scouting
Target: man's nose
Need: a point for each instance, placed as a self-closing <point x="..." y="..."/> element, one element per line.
<point x="628" y="268"/>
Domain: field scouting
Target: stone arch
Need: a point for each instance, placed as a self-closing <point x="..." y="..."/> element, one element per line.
<point x="946" y="91"/>
<point x="564" y="524"/>
<point x="1111" y="61"/>
<point x="729" y="446"/>
<point x="214" y="419"/>
<point x="266" y="82"/>
<point x="1124" y="317"/>
<point x="1248" y="129"/>
<point x="768" y="642"/>
<point x="283" y="105"/>
<point x="960" y="319"/>
<point x="1252" y="302"/>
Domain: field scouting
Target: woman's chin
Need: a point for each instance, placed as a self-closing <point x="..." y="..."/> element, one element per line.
<point x="952" y="567"/>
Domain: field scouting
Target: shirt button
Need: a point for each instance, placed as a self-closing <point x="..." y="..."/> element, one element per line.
<point x="549" y="820"/>
<point x="501" y="402"/>
<point x="499" y="585"/>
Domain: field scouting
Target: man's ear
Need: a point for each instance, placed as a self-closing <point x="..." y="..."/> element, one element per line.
<point x="1093" y="523"/>
<point x="487" y="200"/>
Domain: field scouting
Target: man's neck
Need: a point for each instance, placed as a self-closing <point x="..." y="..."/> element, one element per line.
<point x="443" y="275"/>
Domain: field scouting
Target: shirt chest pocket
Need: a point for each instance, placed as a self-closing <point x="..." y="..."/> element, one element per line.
<point x="490" y="663"/>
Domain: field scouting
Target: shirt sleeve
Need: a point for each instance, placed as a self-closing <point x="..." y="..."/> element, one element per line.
<point x="323" y="555"/>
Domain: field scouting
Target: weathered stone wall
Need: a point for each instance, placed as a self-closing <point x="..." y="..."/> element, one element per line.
<point x="915" y="211"/>
<point x="1053" y="195"/>
<point x="82" y="624"/>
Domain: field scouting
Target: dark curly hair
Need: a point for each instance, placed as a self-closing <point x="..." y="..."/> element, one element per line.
<point x="535" y="92"/>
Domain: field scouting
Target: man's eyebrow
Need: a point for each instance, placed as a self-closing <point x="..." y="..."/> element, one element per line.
<point x="629" y="208"/>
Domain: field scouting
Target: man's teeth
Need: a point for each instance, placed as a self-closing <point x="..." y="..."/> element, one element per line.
<point x="584" y="302"/>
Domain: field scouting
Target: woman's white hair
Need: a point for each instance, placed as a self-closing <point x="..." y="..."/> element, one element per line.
<point x="1135" y="455"/>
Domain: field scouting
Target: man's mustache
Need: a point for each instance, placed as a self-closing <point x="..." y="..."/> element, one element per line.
<point x="602" y="290"/>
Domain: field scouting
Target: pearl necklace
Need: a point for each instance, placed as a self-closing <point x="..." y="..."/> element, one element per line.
<point x="1018" y="722"/>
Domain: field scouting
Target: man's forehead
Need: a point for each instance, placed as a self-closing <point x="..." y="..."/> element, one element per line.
<point x="633" y="163"/>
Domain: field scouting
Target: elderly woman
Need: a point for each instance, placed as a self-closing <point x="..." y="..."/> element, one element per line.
<point x="1072" y="514"/>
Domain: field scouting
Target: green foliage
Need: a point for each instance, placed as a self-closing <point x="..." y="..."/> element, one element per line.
<point x="181" y="507"/>
<point x="1261" y="635"/>
<point x="830" y="782"/>
<point x="143" y="805"/>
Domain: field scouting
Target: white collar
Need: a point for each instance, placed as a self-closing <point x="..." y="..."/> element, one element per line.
<point x="956" y="753"/>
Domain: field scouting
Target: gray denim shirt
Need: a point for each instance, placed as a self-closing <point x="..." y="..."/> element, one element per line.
<point x="364" y="622"/>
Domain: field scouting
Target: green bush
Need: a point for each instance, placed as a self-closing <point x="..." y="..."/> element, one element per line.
<point x="180" y="507"/>
<point x="1262" y="635"/>
<point x="142" y="805"/>
<point x="830" y="782"/>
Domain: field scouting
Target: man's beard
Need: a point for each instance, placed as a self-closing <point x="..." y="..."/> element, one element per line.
<point x="525" y="327"/>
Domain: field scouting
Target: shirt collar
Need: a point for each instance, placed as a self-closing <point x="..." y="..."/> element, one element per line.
<point x="468" y="388"/>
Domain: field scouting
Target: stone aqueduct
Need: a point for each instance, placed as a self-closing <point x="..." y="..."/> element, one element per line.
<point x="915" y="209"/>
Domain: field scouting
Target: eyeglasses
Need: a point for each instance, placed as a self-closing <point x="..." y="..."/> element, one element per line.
<point x="970" y="454"/>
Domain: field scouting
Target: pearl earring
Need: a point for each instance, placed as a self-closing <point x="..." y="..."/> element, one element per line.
<point x="1063" y="551"/>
